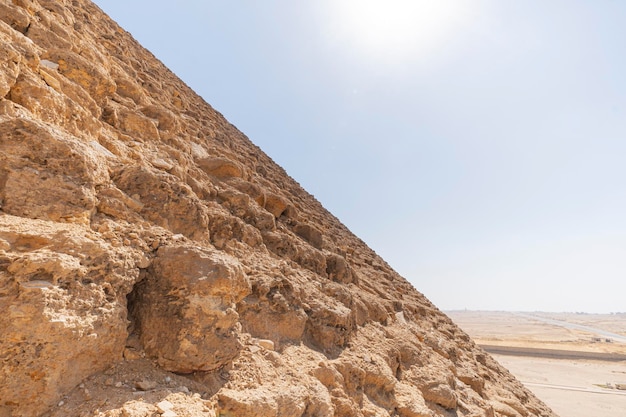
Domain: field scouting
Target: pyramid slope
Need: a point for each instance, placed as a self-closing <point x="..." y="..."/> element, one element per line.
<point x="143" y="235"/>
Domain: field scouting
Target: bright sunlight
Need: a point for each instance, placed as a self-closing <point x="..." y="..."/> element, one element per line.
<point x="394" y="28"/>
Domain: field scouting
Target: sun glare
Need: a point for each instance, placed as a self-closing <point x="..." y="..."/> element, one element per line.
<point x="394" y="28"/>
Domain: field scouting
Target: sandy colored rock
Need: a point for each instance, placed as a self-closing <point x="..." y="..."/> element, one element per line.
<point x="266" y="344"/>
<point x="278" y="205"/>
<point x="164" y="406"/>
<point x="220" y="167"/>
<point x="410" y="403"/>
<point x="62" y="288"/>
<point x="9" y="66"/>
<point x="141" y="233"/>
<point x="185" y="308"/>
<point x="17" y="18"/>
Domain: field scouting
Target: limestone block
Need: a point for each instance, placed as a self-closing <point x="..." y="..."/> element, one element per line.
<point x="42" y="93"/>
<point x="310" y="233"/>
<point x="184" y="309"/>
<point x="15" y="17"/>
<point x="165" y="200"/>
<point x="224" y="227"/>
<point x="9" y="67"/>
<point x="330" y="323"/>
<point x="137" y="125"/>
<point x="62" y="294"/>
<point x="166" y="119"/>
<point x="255" y="191"/>
<point x="338" y="269"/>
<point x="439" y="393"/>
<point x="89" y="75"/>
<point x="48" y="174"/>
<point x="279" y="244"/>
<point x="220" y="167"/>
<point x="379" y="382"/>
<point x="127" y="87"/>
<point x="310" y="258"/>
<point x="262" y="320"/>
<point x="469" y="377"/>
<point x="501" y="409"/>
<point x="410" y="402"/>
<point x="279" y="206"/>
<point x="47" y="38"/>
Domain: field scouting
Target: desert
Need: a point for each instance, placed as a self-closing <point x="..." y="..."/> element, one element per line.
<point x="574" y="362"/>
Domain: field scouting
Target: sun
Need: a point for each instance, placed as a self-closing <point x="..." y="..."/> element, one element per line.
<point x="393" y="28"/>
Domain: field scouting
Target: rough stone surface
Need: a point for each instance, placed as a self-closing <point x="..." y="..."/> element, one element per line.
<point x="185" y="308"/>
<point x="142" y="234"/>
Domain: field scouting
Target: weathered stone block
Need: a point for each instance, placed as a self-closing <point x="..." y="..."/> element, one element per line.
<point x="185" y="308"/>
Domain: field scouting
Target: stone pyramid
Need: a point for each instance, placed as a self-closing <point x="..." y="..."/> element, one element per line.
<point x="154" y="261"/>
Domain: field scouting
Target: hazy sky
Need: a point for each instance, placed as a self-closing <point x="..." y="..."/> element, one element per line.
<point x="478" y="146"/>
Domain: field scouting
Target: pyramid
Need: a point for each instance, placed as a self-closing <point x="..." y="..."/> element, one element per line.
<point x="154" y="261"/>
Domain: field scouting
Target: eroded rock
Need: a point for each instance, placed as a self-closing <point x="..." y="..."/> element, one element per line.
<point x="138" y="228"/>
<point x="165" y="200"/>
<point x="185" y="308"/>
<point x="48" y="174"/>
<point x="62" y="289"/>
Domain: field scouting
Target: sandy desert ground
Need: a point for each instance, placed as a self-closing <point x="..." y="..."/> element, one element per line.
<point x="573" y="362"/>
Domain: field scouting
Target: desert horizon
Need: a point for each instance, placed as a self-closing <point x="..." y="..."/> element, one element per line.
<point x="574" y="362"/>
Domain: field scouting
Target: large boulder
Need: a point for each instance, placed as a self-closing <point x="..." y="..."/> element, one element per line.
<point x="185" y="308"/>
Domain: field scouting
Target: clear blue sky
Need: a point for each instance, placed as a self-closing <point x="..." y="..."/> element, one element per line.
<point x="478" y="146"/>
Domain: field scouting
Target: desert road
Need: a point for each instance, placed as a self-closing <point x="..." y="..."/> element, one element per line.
<point x="568" y="388"/>
<point x="552" y="353"/>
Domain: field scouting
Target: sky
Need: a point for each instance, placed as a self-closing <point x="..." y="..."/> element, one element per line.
<point x="478" y="146"/>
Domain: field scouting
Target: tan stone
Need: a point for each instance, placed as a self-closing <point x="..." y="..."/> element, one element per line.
<point x="164" y="406"/>
<point x="145" y="385"/>
<point x="131" y="354"/>
<point x="137" y="125"/>
<point x="193" y="328"/>
<point x="89" y="75"/>
<point x="166" y="119"/>
<point x="410" y="402"/>
<point x="311" y="234"/>
<point x="50" y="79"/>
<point x="136" y="221"/>
<point x="440" y="393"/>
<point x="220" y="167"/>
<point x="62" y="307"/>
<point x="266" y="344"/>
<point x="165" y="200"/>
<point x="57" y="184"/>
<point x="278" y="205"/>
<point x="15" y="17"/>
<point x="9" y="67"/>
<point x="41" y="94"/>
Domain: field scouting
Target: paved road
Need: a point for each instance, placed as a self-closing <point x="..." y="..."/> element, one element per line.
<point x="581" y="389"/>
<point x="553" y="353"/>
